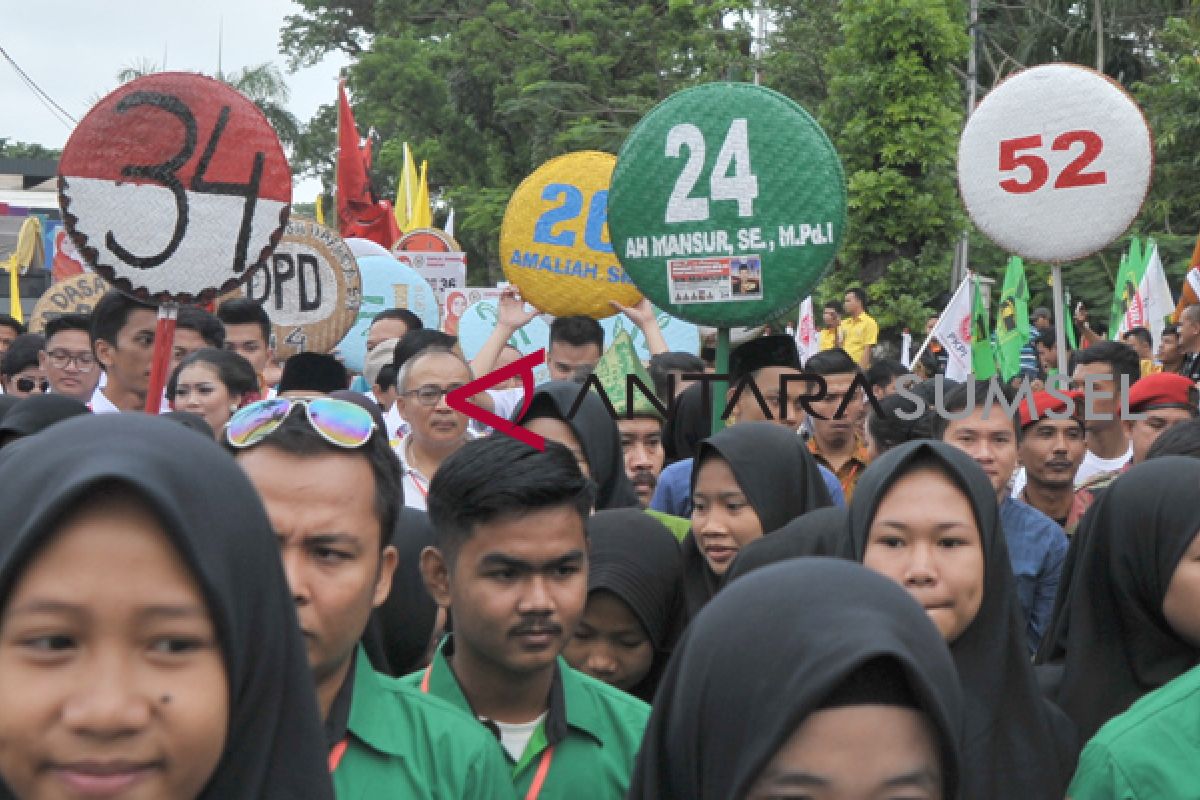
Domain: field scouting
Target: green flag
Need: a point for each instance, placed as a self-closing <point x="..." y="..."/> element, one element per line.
<point x="983" y="357"/>
<point x="618" y="362"/>
<point x="1012" y="320"/>
<point x="1069" y="320"/>
<point x="1129" y="277"/>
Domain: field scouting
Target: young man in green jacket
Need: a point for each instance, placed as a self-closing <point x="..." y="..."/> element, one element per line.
<point x="331" y="486"/>
<point x="511" y="567"/>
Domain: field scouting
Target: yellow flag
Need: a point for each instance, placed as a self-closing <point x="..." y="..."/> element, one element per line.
<point x="320" y="209"/>
<point x="406" y="193"/>
<point x="30" y="254"/>
<point x="422" y="216"/>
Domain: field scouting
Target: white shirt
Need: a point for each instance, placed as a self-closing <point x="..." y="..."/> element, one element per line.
<point x="416" y="485"/>
<point x="101" y="404"/>
<point x="515" y="736"/>
<point x="1094" y="465"/>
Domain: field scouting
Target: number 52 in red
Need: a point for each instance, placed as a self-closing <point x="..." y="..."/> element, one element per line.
<point x="1014" y="154"/>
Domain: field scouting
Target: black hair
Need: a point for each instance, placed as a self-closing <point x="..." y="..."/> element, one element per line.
<point x="313" y="372"/>
<point x="244" y="311"/>
<point x="883" y="372"/>
<point x="1169" y="330"/>
<point x="834" y="361"/>
<point x="498" y="477"/>
<point x="296" y="437"/>
<point x="386" y="377"/>
<point x="576" y="331"/>
<point x="974" y="395"/>
<point x="860" y="294"/>
<point x="411" y="321"/>
<point x="9" y="321"/>
<point x="834" y="306"/>
<point x="67" y="322"/>
<point x="111" y="314"/>
<point x="1048" y="338"/>
<point x="22" y="353"/>
<point x="233" y="370"/>
<point x="1182" y="439"/>
<point x="1121" y="357"/>
<point x="414" y="342"/>
<point x="1140" y="333"/>
<point x="890" y="430"/>
<point x="194" y="318"/>
<point x="663" y="364"/>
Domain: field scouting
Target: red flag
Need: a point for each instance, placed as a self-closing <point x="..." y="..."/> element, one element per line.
<point x="359" y="212"/>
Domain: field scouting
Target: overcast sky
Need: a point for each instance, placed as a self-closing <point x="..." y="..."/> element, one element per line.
<point x="74" y="50"/>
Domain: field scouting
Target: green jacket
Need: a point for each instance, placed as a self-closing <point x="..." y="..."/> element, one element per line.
<point x="1151" y="752"/>
<point x="596" y="731"/>
<point x="402" y="744"/>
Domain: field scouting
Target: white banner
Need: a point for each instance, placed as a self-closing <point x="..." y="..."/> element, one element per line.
<point x="808" y="338"/>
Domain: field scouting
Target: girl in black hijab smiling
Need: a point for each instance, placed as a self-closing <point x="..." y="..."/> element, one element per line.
<point x="1130" y="621"/>
<point x="856" y="694"/>
<point x="591" y="434"/>
<point x="148" y="642"/>
<point x="749" y="480"/>
<point x="632" y="615"/>
<point x="925" y="515"/>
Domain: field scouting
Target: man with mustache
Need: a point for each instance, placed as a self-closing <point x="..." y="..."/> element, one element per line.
<point x="1051" y="451"/>
<point x="511" y="567"/>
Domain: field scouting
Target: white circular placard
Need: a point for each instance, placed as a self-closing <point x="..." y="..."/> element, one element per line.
<point x="1055" y="163"/>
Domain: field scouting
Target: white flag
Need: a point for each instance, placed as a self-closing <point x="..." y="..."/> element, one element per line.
<point x="808" y="340"/>
<point x="953" y="330"/>
<point x="1154" y="292"/>
<point x="449" y="227"/>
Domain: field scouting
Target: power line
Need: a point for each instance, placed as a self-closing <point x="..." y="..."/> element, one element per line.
<point x="58" y="111"/>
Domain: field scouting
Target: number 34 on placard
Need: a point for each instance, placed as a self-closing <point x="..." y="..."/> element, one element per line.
<point x="1017" y="153"/>
<point x="741" y="186"/>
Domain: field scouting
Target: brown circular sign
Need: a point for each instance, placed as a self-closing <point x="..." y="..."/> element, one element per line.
<point x="310" y="288"/>
<point x="75" y="295"/>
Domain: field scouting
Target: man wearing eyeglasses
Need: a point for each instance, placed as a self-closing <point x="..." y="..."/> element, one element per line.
<point x="68" y="361"/>
<point x="436" y="431"/>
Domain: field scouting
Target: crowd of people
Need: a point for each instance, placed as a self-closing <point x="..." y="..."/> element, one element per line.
<point x="842" y="594"/>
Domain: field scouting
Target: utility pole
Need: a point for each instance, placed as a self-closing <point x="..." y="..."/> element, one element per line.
<point x="962" y="259"/>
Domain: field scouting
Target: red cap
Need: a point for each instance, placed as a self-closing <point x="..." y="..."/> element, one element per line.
<point x="1162" y="390"/>
<point x="1047" y="403"/>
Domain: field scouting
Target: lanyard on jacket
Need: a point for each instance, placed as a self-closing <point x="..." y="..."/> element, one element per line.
<point x="539" y="777"/>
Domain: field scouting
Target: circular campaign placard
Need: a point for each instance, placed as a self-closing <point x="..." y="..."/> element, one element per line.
<point x="426" y="240"/>
<point x="1055" y="163"/>
<point x="174" y="186"/>
<point x="554" y="242"/>
<point x="309" y="287"/>
<point x="728" y="204"/>
<point x="386" y="283"/>
<point x="75" y="295"/>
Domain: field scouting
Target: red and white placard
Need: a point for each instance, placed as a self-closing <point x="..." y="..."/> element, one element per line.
<point x="1055" y="163"/>
<point x="174" y="186"/>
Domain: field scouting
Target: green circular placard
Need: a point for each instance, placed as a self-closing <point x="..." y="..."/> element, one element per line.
<point x="727" y="205"/>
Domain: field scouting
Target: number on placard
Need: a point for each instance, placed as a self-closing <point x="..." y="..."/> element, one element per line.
<point x="682" y="207"/>
<point x="297" y="339"/>
<point x="568" y="211"/>
<point x="167" y="175"/>
<point x="741" y="186"/>
<point x="1071" y="177"/>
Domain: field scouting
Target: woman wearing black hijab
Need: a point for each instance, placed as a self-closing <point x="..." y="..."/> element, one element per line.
<point x="591" y="434"/>
<point x="400" y="632"/>
<point x="687" y="425"/>
<point x="35" y="413"/>
<point x="634" y="594"/>
<point x="1119" y="631"/>
<point x="817" y="533"/>
<point x="748" y="481"/>
<point x="921" y="514"/>
<point x="747" y="678"/>
<point x="195" y="506"/>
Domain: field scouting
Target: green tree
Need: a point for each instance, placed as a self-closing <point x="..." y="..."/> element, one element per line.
<point x="14" y="149"/>
<point x="489" y="91"/>
<point x="895" y="110"/>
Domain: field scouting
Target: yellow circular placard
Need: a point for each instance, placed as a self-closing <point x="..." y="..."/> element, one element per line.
<point x="554" y="241"/>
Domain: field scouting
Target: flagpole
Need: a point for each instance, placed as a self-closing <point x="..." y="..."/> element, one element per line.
<point x="1060" y="333"/>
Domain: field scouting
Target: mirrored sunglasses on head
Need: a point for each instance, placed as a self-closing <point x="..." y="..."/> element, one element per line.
<point x="339" y="422"/>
